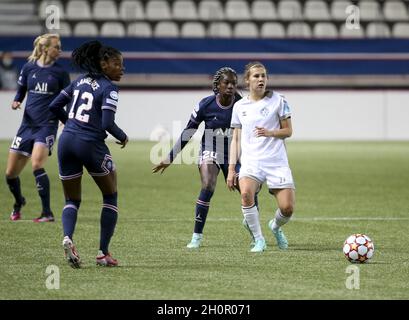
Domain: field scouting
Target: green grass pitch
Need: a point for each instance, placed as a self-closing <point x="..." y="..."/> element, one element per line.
<point x="342" y="188"/>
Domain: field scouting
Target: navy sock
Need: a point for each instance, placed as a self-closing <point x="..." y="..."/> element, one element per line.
<point x="202" y="208"/>
<point x="15" y="189"/>
<point x="43" y="187"/>
<point x="69" y="217"/>
<point x="109" y="216"/>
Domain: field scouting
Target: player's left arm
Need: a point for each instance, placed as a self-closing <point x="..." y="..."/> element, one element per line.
<point x="285" y="131"/>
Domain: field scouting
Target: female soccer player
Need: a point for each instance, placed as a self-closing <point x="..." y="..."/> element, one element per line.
<point x="42" y="79"/>
<point x="261" y="122"/>
<point x="215" y="111"/>
<point x="92" y="102"/>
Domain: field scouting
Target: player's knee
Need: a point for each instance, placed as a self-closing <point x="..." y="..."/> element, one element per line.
<point x="287" y="210"/>
<point x="247" y="198"/>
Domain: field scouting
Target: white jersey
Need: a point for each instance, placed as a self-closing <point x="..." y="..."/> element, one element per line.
<point x="265" y="113"/>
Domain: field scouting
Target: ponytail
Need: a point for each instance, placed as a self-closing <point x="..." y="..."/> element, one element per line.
<point x="40" y="44"/>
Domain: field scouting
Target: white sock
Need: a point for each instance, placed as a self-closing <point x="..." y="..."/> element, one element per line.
<point x="252" y="218"/>
<point x="279" y="220"/>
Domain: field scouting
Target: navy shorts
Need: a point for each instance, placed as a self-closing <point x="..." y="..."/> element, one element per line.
<point x="27" y="136"/>
<point x="221" y="160"/>
<point x="75" y="153"/>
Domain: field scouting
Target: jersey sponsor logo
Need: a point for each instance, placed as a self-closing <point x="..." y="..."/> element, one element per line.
<point x="42" y="88"/>
<point x="227" y="132"/>
<point x="114" y="95"/>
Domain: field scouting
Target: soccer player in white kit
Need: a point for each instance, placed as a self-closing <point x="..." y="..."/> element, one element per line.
<point x="261" y="122"/>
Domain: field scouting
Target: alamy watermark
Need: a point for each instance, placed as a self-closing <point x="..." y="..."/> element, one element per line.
<point x="52" y="282"/>
<point x="352" y="21"/>
<point x="52" y="22"/>
<point x="352" y="281"/>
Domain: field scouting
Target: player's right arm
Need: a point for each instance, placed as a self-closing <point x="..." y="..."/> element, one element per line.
<point x="193" y="124"/>
<point x="234" y="156"/>
<point x="21" y="88"/>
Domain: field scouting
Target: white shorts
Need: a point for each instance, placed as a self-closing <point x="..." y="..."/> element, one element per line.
<point x="276" y="177"/>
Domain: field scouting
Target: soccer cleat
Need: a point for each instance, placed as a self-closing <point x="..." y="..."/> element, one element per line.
<point x="106" y="260"/>
<point x="259" y="246"/>
<point x="16" y="213"/>
<point x="44" y="218"/>
<point x="246" y="226"/>
<point x="196" y="241"/>
<point x="279" y="235"/>
<point x="71" y="253"/>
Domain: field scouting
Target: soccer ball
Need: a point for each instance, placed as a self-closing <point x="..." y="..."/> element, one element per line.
<point x="358" y="248"/>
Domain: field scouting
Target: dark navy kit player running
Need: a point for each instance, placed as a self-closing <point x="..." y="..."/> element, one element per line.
<point x="41" y="79"/>
<point x="92" y="101"/>
<point x="215" y="111"/>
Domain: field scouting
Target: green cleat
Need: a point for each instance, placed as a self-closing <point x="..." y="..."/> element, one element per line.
<point x="259" y="246"/>
<point x="246" y="226"/>
<point x="196" y="241"/>
<point x="279" y="235"/>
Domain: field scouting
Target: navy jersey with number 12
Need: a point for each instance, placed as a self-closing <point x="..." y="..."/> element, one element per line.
<point x="89" y="96"/>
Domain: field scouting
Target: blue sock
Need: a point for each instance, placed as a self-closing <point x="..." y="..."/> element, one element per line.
<point x="15" y="189"/>
<point x="202" y="208"/>
<point x="69" y="217"/>
<point x="109" y="216"/>
<point x="43" y="187"/>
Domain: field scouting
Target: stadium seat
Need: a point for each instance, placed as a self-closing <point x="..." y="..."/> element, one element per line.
<point x="85" y="29"/>
<point x="298" y="30"/>
<point x="345" y="32"/>
<point x="325" y="30"/>
<point x="166" y="29"/>
<point x="272" y="30"/>
<point x="139" y="29"/>
<point x="157" y="10"/>
<point x="42" y="9"/>
<point x="395" y="11"/>
<point x="369" y="10"/>
<point x="338" y="9"/>
<point x="78" y="10"/>
<point x="400" y="30"/>
<point x="219" y="30"/>
<point x="377" y="30"/>
<point x="237" y="10"/>
<point x="193" y="30"/>
<point x="210" y="10"/>
<point x="289" y="10"/>
<point x="112" y="29"/>
<point x="316" y="10"/>
<point x="184" y="10"/>
<point x="245" y="30"/>
<point x="263" y="10"/>
<point x="131" y="10"/>
<point x="105" y="10"/>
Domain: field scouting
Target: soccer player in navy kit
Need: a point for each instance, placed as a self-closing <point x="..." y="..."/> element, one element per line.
<point x="42" y="79"/>
<point x="92" y="101"/>
<point x="215" y="111"/>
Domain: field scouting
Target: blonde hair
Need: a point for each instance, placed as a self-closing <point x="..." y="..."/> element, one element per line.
<point x="40" y="44"/>
<point x="253" y="64"/>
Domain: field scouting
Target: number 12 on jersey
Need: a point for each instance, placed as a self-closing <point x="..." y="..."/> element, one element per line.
<point x="81" y="115"/>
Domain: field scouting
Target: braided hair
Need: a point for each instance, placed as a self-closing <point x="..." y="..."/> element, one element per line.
<point x="218" y="76"/>
<point x="88" y="56"/>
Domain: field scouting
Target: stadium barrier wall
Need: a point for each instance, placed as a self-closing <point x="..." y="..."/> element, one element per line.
<point x="317" y="115"/>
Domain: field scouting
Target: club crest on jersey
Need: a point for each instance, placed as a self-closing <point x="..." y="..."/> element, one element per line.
<point x="264" y="112"/>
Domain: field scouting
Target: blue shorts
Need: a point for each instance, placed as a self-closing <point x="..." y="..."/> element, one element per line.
<point x="75" y="153"/>
<point x="27" y="136"/>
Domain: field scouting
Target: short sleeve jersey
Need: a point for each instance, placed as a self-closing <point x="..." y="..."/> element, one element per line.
<point x="43" y="84"/>
<point x="266" y="113"/>
<point x="89" y="96"/>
